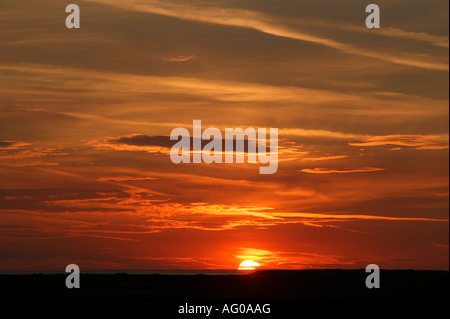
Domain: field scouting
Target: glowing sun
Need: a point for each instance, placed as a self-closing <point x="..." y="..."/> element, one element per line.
<point x="249" y="265"/>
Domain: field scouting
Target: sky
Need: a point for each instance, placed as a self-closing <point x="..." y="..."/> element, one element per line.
<point x="86" y="114"/>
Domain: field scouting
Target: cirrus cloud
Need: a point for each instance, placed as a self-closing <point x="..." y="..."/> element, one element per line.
<point x="341" y="171"/>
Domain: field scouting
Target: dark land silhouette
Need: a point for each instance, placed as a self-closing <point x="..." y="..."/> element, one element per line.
<point x="262" y="285"/>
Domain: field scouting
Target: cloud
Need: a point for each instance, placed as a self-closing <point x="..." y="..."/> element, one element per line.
<point x="324" y="158"/>
<point x="136" y="143"/>
<point x="20" y="154"/>
<point x="182" y="262"/>
<point x="437" y="40"/>
<point x="320" y="134"/>
<point x="97" y="84"/>
<point x="289" y="260"/>
<point x="141" y="213"/>
<point x="126" y="179"/>
<point x="21" y="151"/>
<point x="6" y="144"/>
<point x="341" y="171"/>
<point x="41" y="113"/>
<point x="163" y="144"/>
<point x="263" y="23"/>
<point x="24" y="164"/>
<point x="348" y="217"/>
<point x="441" y="246"/>
<point x="440" y="41"/>
<point x="144" y="140"/>
<point x="180" y="58"/>
<point x="420" y="141"/>
<point x="433" y="147"/>
<point x="229" y="91"/>
<point x="11" y="145"/>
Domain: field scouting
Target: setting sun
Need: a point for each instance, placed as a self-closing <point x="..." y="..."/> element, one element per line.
<point x="249" y="265"/>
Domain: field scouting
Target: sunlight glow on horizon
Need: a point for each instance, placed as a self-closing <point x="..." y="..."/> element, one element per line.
<point x="249" y="265"/>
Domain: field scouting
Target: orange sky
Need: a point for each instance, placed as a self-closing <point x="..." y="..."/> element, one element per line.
<point x="85" y="117"/>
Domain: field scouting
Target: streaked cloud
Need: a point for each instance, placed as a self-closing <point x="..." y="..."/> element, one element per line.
<point x="180" y="58"/>
<point x="28" y="163"/>
<point x="420" y="141"/>
<point x="126" y="179"/>
<point x="289" y="260"/>
<point x="437" y="40"/>
<point x="358" y="217"/>
<point x="324" y="158"/>
<point x="253" y="20"/>
<point x="11" y="145"/>
<point x="6" y="144"/>
<point x="341" y="171"/>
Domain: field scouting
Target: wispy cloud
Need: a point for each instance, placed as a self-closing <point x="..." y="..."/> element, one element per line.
<point x="126" y="179"/>
<point x="441" y="246"/>
<point x="341" y="171"/>
<point x="97" y="83"/>
<point x="21" y="154"/>
<point x="420" y="141"/>
<point x="349" y="217"/>
<point x="287" y="260"/>
<point x="181" y="58"/>
<point x="437" y="40"/>
<point x="28" y="163"/>
<point x="231" y="91"/>
<point x="440" y="41"/>
<point x="12" y="145"/>
<point x="324" y="158"/>
<point x="257" y="21"/>
<point x="364" y="140"/>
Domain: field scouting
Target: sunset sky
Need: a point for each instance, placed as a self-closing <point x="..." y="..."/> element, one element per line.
<point x="86" y="115"/>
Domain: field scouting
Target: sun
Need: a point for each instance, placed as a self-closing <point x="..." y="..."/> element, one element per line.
<point x="249" y="265"/>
